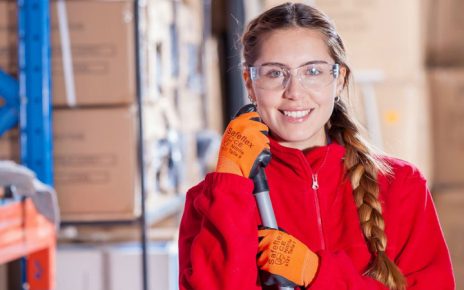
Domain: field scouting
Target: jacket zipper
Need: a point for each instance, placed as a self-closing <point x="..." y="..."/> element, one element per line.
<point x="315" y="187"/>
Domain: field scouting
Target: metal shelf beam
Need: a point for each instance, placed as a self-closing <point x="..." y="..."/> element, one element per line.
<point x="34" y="87"/>
<point x="35" y="119"/>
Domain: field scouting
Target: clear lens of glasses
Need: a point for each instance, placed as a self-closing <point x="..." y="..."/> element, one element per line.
<point x="311" y="76"/>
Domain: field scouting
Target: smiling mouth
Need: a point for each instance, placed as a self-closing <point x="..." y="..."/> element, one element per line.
<point x="296" y="114"/>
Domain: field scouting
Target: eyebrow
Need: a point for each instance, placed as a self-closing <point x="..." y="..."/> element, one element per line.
<point x="306" y="63"/>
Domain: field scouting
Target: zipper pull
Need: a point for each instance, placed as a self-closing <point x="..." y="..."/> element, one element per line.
<point x="315" y="183"/>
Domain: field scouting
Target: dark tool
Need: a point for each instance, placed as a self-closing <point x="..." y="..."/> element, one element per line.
<point x="261" y="188"/>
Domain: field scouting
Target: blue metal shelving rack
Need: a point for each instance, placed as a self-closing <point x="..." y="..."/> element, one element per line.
<point x="29" y="102"/>
<point x="30" y="98"/>
<point x="35" y="117"/>
<point x="35" y="87"/>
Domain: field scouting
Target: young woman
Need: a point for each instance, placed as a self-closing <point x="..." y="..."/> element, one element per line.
<point x="350" y="218"/>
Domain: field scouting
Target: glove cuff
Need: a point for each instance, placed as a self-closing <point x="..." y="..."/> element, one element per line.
<point x="311" y="267"/>
<point x="225" y="165"/>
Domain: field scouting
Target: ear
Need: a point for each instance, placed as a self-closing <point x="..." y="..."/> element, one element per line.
<point x="248" y="84"/>
<point x="341" y="80"/>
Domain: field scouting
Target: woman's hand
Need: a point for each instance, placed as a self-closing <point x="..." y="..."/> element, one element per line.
<point x="243" y="142"/>
<point x="289" y="261"/>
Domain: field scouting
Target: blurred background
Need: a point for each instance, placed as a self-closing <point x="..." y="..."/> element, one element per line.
<point x="140" y="93"/>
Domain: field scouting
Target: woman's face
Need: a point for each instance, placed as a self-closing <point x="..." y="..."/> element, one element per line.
<point x="296" y="114"/>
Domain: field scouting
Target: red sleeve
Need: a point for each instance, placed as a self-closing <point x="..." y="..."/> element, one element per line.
<point x="423" y="255"/>
<point x="218" y="238"/>
<point x="415" y="243"/>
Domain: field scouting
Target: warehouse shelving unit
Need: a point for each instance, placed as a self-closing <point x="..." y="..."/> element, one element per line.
<point x="29" y="100"/>
<point x="33" y="235"/>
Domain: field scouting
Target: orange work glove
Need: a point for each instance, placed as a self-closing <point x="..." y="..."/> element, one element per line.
<point x="243" y="141"/>
<point x="289" y="261"/>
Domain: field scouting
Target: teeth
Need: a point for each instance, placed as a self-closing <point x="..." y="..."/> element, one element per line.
<point x="296" y="114"/>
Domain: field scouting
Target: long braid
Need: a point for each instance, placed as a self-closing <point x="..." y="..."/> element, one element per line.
<point x="362" y="168"/>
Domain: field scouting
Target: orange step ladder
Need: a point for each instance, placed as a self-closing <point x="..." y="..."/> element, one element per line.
<point x="24" y="232"/>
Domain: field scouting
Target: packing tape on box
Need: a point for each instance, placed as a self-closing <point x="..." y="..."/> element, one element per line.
<point x="68" y="70"/>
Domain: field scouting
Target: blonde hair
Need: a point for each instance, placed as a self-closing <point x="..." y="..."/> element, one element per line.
<point x="362" y="165"/>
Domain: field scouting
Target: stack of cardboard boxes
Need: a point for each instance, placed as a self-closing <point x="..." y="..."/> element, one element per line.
<point x="94" y="118"/>
<point x="95" y="113"/>
<point x="95" y="121"/>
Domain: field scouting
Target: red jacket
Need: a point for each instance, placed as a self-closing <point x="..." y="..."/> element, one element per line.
<point x="218" y="233"/>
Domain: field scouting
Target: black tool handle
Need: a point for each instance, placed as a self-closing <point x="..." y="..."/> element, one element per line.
<point x="261" y="188"/>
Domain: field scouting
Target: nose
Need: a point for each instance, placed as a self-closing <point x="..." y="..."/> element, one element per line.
<point x="293" y="88"/>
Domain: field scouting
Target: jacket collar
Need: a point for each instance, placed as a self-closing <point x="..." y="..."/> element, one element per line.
<point x="317" y="157"/>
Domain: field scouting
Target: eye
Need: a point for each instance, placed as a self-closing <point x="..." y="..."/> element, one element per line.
<point x="274" y="73"/>
<point x="313" y="71"/>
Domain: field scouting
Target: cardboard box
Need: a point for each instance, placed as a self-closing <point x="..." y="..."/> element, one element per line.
<point x="124" y="271"/>
<point x="403" y="117"/>
<point x="379" y="35"/>
<point x="103" y="59"/>
<point x="445" y="28"/>
<point x="450" y="205"/>
<point x="96" y="164"/>
<point x="79" y="268"/>
<point x="90" y="169"/>
<point x="447" y="94"/>
<point x="96" y="173"/>
<point x="8" y="39"/>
